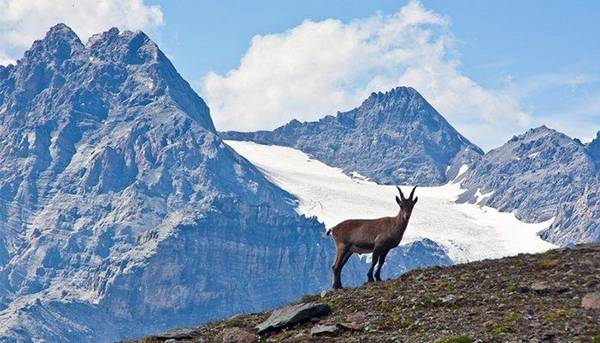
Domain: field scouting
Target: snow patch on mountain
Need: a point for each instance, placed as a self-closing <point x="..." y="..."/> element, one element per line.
<point x="467" y="232"/>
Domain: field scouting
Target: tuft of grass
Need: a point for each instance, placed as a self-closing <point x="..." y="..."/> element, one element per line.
<point x="496" y="328"/>
<point x="548" y="263"/>
<point x="596" y="337"/>
<point x="444" y="286"/>
<point x="501" y="330"/>
<point x="234" y="322"/>
<point x="511" y="317"/>
<point x="513" y="287"/>
<point x="455" y="339"/>
<point x="310" y="298"/>
<point x="557" y="315"/>
<point x="406" y="323"/>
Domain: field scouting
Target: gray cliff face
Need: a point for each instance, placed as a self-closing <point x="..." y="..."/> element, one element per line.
<point x="531" y="174"/>
<point x="577" y="221"/>
<point x="122" y="212"/>
<point x="593" y="148"/>
<point x="539" y="175"/>
<point x="395" y="137"/>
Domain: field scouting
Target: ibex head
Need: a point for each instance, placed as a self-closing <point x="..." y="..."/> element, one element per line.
<point x="407" y="204"/>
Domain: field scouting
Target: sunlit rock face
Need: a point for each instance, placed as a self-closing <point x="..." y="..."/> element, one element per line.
<point x="539" y="175"/>
<point x="395" y="137"/>
<point x="122" y="212"/>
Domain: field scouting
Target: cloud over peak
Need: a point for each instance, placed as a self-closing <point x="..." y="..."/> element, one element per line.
<point x="22" y="21"/>
<point x="318" y="68"/>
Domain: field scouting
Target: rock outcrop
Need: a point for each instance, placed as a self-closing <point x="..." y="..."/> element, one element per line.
<point x="549" y="297"/>
<point x="395" y="137"/>
<point x="540" y="175"/>
<point x="122" y="212"/>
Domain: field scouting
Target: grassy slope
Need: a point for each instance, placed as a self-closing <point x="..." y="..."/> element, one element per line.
<point x="487" y="301"/>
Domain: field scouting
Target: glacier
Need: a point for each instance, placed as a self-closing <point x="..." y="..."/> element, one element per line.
<point x="123" y="212"/>
<point x="466" y="232"/>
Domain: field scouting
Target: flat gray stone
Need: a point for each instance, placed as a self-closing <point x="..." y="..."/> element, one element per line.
<point x="237" y="335"/>
<point x="591" y="301"/>
<point x="178" y="334"/>
<point x="291" y="315"/>
<point x="541" y="287"/>
<point x="323" y="330"/>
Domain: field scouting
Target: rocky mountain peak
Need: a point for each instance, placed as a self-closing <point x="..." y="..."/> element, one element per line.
<point x="112" y="175"/>
<point x="59" y="44"/>
<point x="541" y="141"/>
<point x="126" y="47"/>
<point x="541" y="132"/>
<point x="391" y="95"/>
<point x="395" y="137"/>
<point x="531" y="174"/>
<point x="593" y="148"/>
<point x="118" y="68"/>
<point x="398" y="106"/>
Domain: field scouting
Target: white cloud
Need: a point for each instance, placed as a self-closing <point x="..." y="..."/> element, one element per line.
<point x="5" y="60"/>
<point x="538" y="83"/>
<point x="318" y="68"/>
<point x="23" y="21"/>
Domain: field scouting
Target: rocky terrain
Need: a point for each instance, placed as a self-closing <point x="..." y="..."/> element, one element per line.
<point x="531" y="174"/>
<point x="577" y="220"/>
<point x="395" y="137"/>
<point x="549" y="297"/>
<point x="121" y="210"/>
<point x="593" y="149"/>
<point x="398" y="138"/>
<point x="540" y="175"/>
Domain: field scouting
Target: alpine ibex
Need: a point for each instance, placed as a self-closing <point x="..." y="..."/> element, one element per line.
<point x="378" y="236"/>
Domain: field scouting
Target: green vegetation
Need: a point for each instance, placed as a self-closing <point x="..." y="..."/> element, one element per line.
<point x="496" y="328"/>
<point x="557" y="315"/>
<point x="406" y="323"/>
<point x="455" y="339"/>
<point x="511" y="317"/>
<point x="548" y="263"/>
<point x="310" y="298"/>
<point x="513" y="287"/>
<point x="596" y="337"/>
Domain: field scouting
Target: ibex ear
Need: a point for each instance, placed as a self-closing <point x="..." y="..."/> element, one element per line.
<point x="398" y="201"/>
<point x="417" y="198"/>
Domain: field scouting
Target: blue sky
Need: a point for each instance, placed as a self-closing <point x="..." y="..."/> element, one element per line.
<point x="496" y="38"/>
<point x="499" y="67"/>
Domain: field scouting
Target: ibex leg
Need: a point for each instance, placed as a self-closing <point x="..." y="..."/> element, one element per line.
<point x="374" y="259"/>
<point x="341" y="252"/>
<point x="379" y="265"/>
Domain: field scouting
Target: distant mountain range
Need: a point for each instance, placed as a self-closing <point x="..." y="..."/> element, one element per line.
<point x="120" y="204"/>
<point x="122" y="212"/>
<point x="398" y="138"/>
<point x="395" y="137"/>
<point x="540" y="175"/>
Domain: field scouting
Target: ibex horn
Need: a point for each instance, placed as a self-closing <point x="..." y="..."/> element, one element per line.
<point x="401" y="195"/>
<point x="412" y="192"/>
